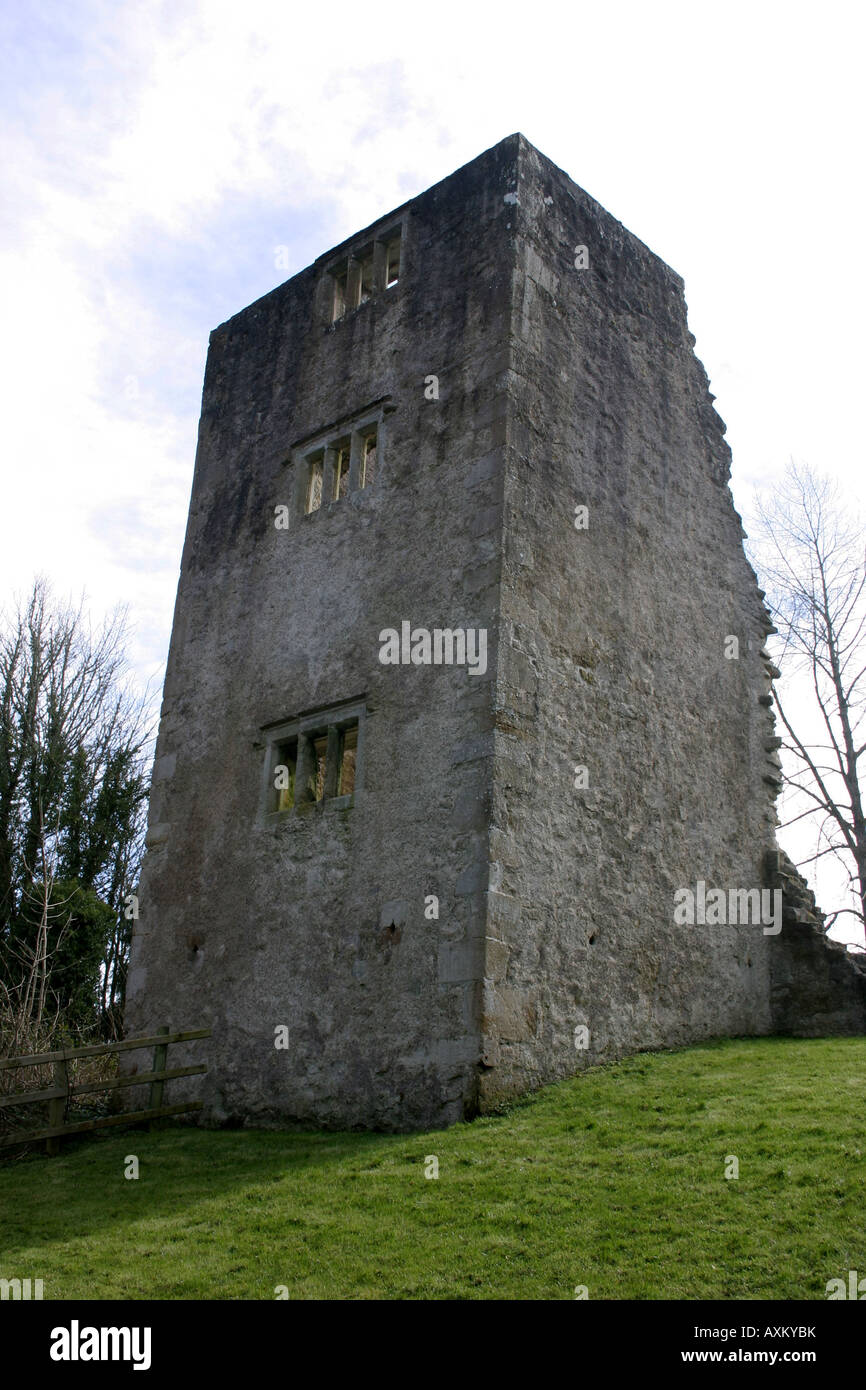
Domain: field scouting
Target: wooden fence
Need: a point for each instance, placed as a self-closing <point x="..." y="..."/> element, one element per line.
<point x="64" y="1088"/>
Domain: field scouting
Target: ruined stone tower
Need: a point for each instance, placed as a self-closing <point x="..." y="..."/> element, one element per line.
<point x="402" y="874"/>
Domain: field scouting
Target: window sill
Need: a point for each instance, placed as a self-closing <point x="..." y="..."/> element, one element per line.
<point x="377" y="298"/>
<point x="308" y="808"/>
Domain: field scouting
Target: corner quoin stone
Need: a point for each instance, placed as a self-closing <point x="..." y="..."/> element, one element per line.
<point x="558" y="387"/>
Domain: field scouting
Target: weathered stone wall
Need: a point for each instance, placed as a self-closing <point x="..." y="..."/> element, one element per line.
<point x="612" y="656"/>
<point x="318" y="922"/>
<point x="818" y="987"/>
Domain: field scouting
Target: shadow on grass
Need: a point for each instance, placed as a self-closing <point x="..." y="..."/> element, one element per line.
<point x="83" y="1189"/>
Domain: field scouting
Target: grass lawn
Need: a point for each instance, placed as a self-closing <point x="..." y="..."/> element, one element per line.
<point x="614" y="1180"/>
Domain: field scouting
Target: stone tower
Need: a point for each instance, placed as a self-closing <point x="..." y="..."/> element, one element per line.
<point x="452" y="711"/>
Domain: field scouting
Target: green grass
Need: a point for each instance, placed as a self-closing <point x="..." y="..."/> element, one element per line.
<point x="614" y="1180"/>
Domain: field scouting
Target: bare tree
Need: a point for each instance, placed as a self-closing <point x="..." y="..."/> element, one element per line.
<point x="810" y="550"/>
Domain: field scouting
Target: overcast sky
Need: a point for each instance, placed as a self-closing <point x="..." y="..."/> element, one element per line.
<point x="157" y="156"/>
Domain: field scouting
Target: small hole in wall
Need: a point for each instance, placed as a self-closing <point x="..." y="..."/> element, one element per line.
<point x="592" y="939"/>
<point x="748" y="960"/>
<point x="390" y="934"/>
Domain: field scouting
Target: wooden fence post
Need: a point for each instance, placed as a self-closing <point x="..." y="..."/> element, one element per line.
<point x="160" y="1053"/>
<point x="57" y="1106"/>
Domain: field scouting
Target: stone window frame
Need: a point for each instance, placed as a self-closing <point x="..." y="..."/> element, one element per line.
<point x="331" y="722"/>
<point x="350" y="281"/>
<point x="322" y="451"/>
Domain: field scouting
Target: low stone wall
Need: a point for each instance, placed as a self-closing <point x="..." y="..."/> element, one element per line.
<point x="817" y="986"/>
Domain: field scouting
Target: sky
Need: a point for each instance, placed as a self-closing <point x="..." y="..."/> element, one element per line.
<point x="164" y="164"/>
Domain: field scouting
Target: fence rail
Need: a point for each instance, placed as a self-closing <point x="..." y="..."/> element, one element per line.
<point x="65" y="1088"/>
